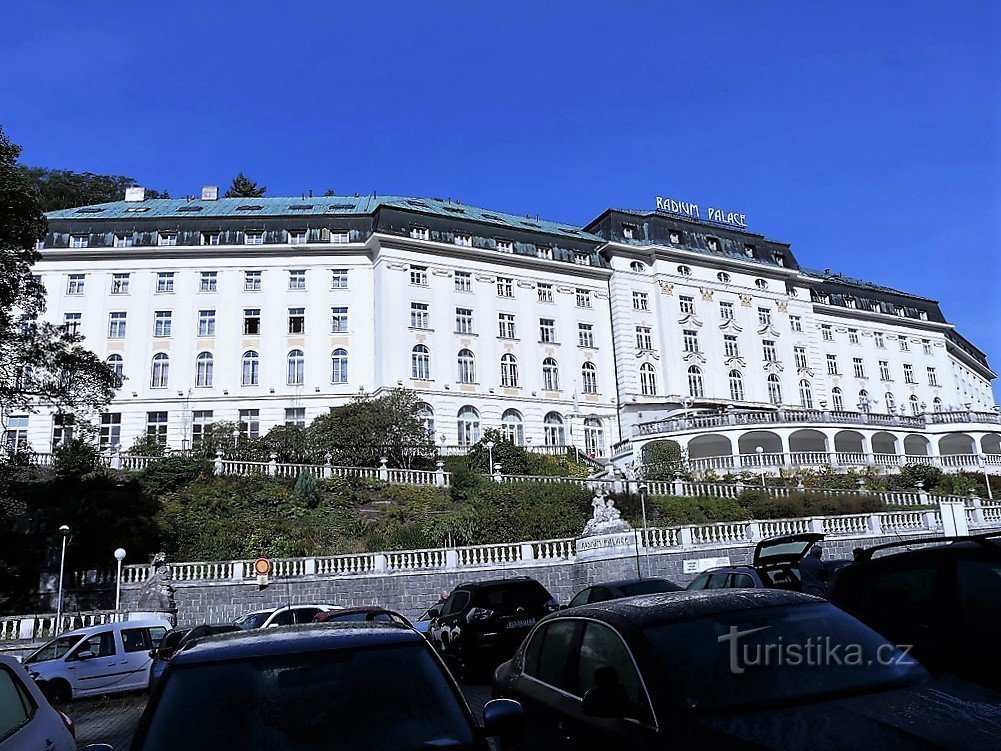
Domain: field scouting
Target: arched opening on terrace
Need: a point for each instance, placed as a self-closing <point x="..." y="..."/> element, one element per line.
<point x="712" y="444"/>
<point x="848" y="442"/>
<point x="917" y="445"/>
<point x="807" y="440"/>
<point x="991" y="443"/>
<point x="957" y="443"/>
<point x="769" y="442"/>
<point x="884" y="443"/>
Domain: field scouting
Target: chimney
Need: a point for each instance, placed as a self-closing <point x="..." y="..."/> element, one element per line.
<point x="210" y="192"/>
<point x="137" y="193"/>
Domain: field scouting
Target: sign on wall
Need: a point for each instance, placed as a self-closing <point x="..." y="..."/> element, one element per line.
<point x="694" y="211"/>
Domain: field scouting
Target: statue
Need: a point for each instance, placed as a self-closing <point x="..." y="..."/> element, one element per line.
<point x="157" y="593"/>
<point x="605" y="519"/>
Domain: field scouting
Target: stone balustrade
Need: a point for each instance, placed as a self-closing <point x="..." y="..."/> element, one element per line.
<point x="41" y="626"/>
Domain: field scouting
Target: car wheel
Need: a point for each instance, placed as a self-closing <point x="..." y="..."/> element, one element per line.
<point x="57" y="692"/>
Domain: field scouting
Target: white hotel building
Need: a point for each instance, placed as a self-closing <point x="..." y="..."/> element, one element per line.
<point x="639" y="326"/>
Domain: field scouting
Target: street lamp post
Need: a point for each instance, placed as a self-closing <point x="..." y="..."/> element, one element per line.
<point x="644" y="489"/>
<point x="987" y="479"/>
<point x="65" y="532"/>
<point x="761" y="463"/>
<point x="236" y="437"/>
<point x="489" y="446"/>
<point x="119" y="556"/>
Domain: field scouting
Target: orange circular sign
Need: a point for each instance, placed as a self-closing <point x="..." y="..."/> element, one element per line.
<point x="262" y="567"/>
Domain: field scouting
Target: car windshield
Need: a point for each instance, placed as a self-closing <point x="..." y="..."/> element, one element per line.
<point x="252" y="620"/>
<point x="775" y="656"/>
<point x="649" y="587"/>
<point x="55" y="649"/>
<point x="392" y="698"/>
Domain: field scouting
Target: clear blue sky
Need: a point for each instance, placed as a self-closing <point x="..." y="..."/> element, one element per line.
<point x="864" y="133"/>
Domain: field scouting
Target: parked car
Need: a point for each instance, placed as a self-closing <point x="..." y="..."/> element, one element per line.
<point x="712" y="670"/>
<point x="27" y="720"/>
<point x="423" y="622"/>
<point x="941" y="595"/>
<point x="482" y="623"/>
<point x="622" y="588"/>
<point x="371" y="613"/>
<point x="286" y="615"/>
<point x="353" y="685"/>
<point x="96" y="660"/>
<point x="177" y="639"/>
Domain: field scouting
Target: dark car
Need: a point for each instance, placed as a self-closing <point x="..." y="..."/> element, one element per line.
<point x="942" y="595"/>
<point x="481" y="624"/>
<point x="362" y="614"/>
<point x="719" y="670"/>
<point x="312" y="688"/>
<point x="178" y="638"/>
<point x="622" y="588"/>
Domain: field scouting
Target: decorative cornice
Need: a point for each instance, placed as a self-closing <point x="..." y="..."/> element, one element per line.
<point x="730" y="325"/>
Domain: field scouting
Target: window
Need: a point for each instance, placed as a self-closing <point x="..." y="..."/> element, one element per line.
<point x="463" y="240"/>
<point x="838" y="399"/>
<point x="467" y="366"/>
<point x="208" y="282"/>
<point x="863" y="401"/>
<point x="545" y="292"/>
<point x="505" y="286"/>
<point x="726" y="311"/>
<point x="687" y="305"/>
<point x="915" y="406"/>
<point x="909" y="374"/>
<point x="166" y="239"/>
<point x="712" y="243"/>
<point x="250" y="368"/>
<point x="425" y="414"/>
<point x="119" y="284"/>
<point x="298" y="237"/>
<point x="638" y="266"/>
<point x="581" y="259"/>
<point x="79" y="241"/>
<point x="338" y="320"/>
<point x="420" y="233"/>
<point x="161" y="323"/>
<point x="796" y="323"/>
<point x="891" y="402"/>
<point x="250" y="422"/>
<point x="768" y="351"/>
<point x="644" y="338"/>
<point x="589" y="378"/>
<point x="583" y="298"/>
<point x="203" y="369"/>
<point x="340" y="236"/>
<point x="420" y="363"/>
<point x="723" y="277"/>
<point x="858" y="367"/>
<point x="550" y="375"/>
<point x="926" y="346"/>
<point x="62" y="429"/>
<point x="731" y="348"/>
<point x="463" y="321"/>
<point x="75" y="284"/>
<point x="295" y="372"/>
<point x="932" y="377"/>
<point x="805" y="394"/>
<point x="254" y="237"/>
<point x="252" y="281"/>
<point x="937" y="404"/>
<point x="339" y="366"/>
<point x="513" y="427"/>
<point x="826" y="333"/>
<point x="419" y="315"/>
<point x="505" y="246"/>
<point x="736" y="386"/>
<point x="696" y="386"/>
<point x="468" y="425"/>
<point x="251" y="321"/>
<point x="295" y="416"/>
<point x="853" y="336"/>
<point x="505" y="325"/>
<point x="16" y="435"/>
<point x="554" y="431"/>
<point x="296" y="320"/>
<point x="800" y="356"/>
<point x="297" y="279"/>
<point x="761" y="283"/>
<point x="774" y="389"/>
<point x="547" y="330"/>
<point x="683" y="270"/>
<point x="211" y="238"/>
<point x="640" y="301"/>
<point x="690" y="340"/>
<point x="161" y="371"/>
<point x="879" y="339"/>
<point x="585" y="334"/>
<point x="764" y="317"/>
<point x="111" y="430"/>
<point x="117" y="366"/>
<point x="419" y="276"/>
<point x="206" y="323"/>
<point x="509" y="371"/>
<point x="463" y="281"/>
<point x="116" y="325"/>
<point x="156" y="426"/>
<point x="904" y="346"/>
<point x="629" y="233"/>
<point x="165" y="281"/>
<point x="648" y="380"/>
<point x="201" y="426"/>
<point x="124" y="240"/>
<point x="338" y="279"/>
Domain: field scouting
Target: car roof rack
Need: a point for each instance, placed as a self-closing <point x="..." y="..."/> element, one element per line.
<point x="985" y="538"/>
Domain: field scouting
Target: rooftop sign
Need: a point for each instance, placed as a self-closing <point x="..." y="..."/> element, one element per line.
<point x="694" y="211"/>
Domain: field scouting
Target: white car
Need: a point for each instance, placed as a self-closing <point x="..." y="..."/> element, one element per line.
<point x="27" y="720"/>
<point x="96" y="660"/>
<point x="286" y="615"/>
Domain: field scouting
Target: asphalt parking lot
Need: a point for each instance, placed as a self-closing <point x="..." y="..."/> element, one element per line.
<point x="114" y="720"/>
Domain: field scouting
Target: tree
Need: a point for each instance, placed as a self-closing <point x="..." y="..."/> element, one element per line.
<point x="65" y="189"/>
<point x="244" y="187"/>
<point x="41" y="365"/>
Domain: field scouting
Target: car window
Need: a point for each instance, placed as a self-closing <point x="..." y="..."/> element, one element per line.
<point x="283" y="618"/>
<point x="580" y="598"/>
<point x="135" y="640"/>
<point x="700" y="581"/>
<point x="599" y="594"/>
<point x="156" y="633"/>
<point x="600" y="648"/>
<point x="171" y="640"/>
<point x="102" y="645"/>
<point x="550" y="661"/>
<point x="508" y="597"/>
<point x="55" y="649"/>
<point x="902" y="595"/>
<point x="979" y="587"/>
<point x="16" y="705"/>
<point x="718" y="580"/>
<point x="305" y="615"/>
<point x="742" y="580"/>
<point x="455" y="603"/>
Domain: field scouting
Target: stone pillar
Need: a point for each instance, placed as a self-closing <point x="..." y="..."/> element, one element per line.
<point x="678" y="486"/>
<point x="116" y="457"/>
<point x="875" y="525"/>
<point x="309" y="567"/>
<point x="753" y="531"/>
<point x="527" y="552"/>
<point x="816" y="524"/>
<point x="867" y="449"/>
<point x="978" y="509"/>
<point x="922" y="493"/>
<point x="685" y="537"/>
<point x="451" y="560"/>
<point x="328" y="471"/>
<point x="273" y="464"/>
<point x="439" y="474"/>
<point x="498" y="477"/>
<point x="928" y="517"/>
<point x="217" y="464"/>
<point x="383" y="469"/>
<point x="380" y="564"/>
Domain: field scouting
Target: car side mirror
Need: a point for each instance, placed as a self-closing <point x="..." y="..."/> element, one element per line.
<point x="85" y="655"/>
<point x="153" y="653"/>
<point x="501" y="716"/>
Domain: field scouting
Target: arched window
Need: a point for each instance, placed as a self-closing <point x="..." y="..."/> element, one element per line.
<point x="161" y="370"/>
<point x="594" y="436"/>
<point x="115" y="362"/>
<point x="251" y="368"/>
<point x="509" y="371"/>
<point x="936" y="404"/>
<point x="696" y="387"/>
<point x="805" y="394"/>
<point x="513" y="427"/>
<point x="637" y="266"/>
<point x="863" y="401"/>
<point x="736" y="386"/>
<point x="550" y="375"/>
<point x="339" y="366"/>
<point x="420" y="363"/>
<point x="774" y="389"/>
<point x="468" y="423"/>
<point x="648" y="380"/>
<point x="467" y="367"/>
<point x="555" y="433"/>
<point x="589" y="378"/>
<point x="838" y="398"/>
<point x="915" y="406"/>
<point x="426" y="416"/>
<point x="203" y="369"/>
<point x="296" y="368"/>
<point x="891" y="403"/>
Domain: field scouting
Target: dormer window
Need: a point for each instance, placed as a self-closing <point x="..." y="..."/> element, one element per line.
<point x="340" y="236"/>
<point x="124" y="240"/>
<point x="543" y="252"/>
<point x="675" y="237"/>
<point x="629" y="231"/>
<point x="420" y="233"/>
<point x="211" y="238"/>
<point x="254" y="237"/>
<point x="168" y="239"/>
<point x="505" y="246"/>
<point x="780" y="258"/>
<point x="463" y="240"/>
<point x="723" y="277"/>
<point x="713" y="244"/>
<point x="749" y="251"/>
<point x="297" y="237"/>
<point x="79" y="241"/>
<point x="582" y="259"/>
